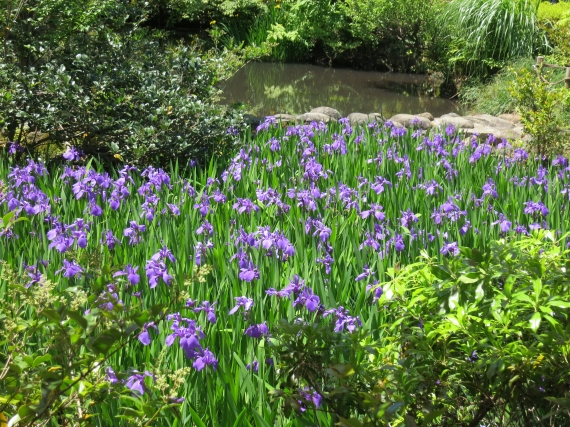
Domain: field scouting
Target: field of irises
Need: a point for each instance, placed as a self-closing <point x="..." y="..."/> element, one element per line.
<point x="304" y="222"/>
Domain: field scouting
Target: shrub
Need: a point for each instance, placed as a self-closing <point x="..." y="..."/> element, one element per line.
<point x="553" y="12"/>
<point x="541" y="107"/>
<point x="57" y="346"/>
<point x="113" y="88"/>
<point x="468" y="341"/>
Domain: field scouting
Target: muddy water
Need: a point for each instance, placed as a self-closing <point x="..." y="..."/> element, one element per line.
<point x="270" y="88"/>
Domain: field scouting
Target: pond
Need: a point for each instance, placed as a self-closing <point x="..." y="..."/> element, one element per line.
<point x="271" y="88"/>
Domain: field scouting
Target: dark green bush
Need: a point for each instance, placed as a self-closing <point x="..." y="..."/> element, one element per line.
<point x="480" y="339"/>
<point x="112" y="88"/>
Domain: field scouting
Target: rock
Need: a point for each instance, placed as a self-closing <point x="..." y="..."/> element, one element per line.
<point x="490" y="121"/>
<point x="406" y="120"/>
<point x="513" y="118"/>
<point x="285" y="117"/>
<point x="316" y="117"/>
<point x="376" y="117"/>
<point x="397" y="125"/>
<point x="455" y="120"/>
<point x="427" y="115"/>
<point x="252" y="120"/>
<point x="331" y="112"/>
<point x="485" y="131"/>
<point x="359" y="118"/>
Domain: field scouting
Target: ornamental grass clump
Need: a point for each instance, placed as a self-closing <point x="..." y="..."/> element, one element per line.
<point x="299" y="229"/>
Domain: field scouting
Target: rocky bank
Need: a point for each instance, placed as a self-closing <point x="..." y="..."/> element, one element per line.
<point x="507" y="126"/>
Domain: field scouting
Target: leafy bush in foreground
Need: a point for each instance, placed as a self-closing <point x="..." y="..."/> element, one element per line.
<point x="481" y="336"/>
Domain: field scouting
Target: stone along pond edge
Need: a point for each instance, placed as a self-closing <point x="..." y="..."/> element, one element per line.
<point x="506" y="126"/>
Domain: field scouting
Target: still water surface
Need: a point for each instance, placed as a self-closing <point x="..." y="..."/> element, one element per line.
<point x="270" y="88"/>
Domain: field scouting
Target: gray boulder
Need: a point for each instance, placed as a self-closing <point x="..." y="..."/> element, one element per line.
<point x="285" y="117"/>
<point x="427" y="115"/>
<point x="513" y="118"/>
<point x="490" y="121"/>
<point x="317" y="117"/>
<point x="331" y="112"/>
<point x="499" y="134"/>
<point x="406" y="120"/>
<point x="455" y="120"/>
<point x="359" y="118"/>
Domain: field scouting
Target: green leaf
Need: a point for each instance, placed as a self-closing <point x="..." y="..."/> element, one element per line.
<point x="140" y="318"/>
<point x="52" y="315"/>
<point x="393" y="408"/>
<point x="469" y="278"/>
<point x="350" y="422"/>
<point x="440" y="272"/>
<point x="196" y="418"/>
<point x="131" y="413"/>
<point x="237" y="423"/>
<point x="260" y="421"/>
<point x="25" y="411"/>
<point x="6" y="219"/>
<point x="429" y="417"/>
<point x="340" y="370"/>
<point x="103" y="343"/>
<point x="82" y="321"/>
<point x="534" y="321"/>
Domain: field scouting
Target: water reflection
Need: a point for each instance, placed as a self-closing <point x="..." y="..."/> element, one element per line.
<point x="270" y="88"/>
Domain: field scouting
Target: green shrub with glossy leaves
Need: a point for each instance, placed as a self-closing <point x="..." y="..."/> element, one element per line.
<point x="480" y="339"/>
<point x="110" y="87"/>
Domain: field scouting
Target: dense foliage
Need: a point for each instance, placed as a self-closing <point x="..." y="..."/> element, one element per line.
<point x="101" y="83"/>
<point x="292" y="238"/>
<point x="457" y="37"/>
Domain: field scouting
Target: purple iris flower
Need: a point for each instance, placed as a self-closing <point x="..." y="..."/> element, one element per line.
<point x="131" y="273"/>
<point x="398" y="242"/>
<point x="408" y="218"/>
<point x="249" y="273"/>
<point x="377" y="291"/>
<point x="504" y="224"/>
<point x="310" y="395"/>
<point x="450" y="249"/>
<point x="189" y="335"/>
<point x="244" y="302"/>
<point x="376" y="211"/>
<point x="257" y="331"/>
<point x="367" y="272"/>
<point x="163" y="254"/>
<point x="206" y="227"/>
<point x="308" y="299"/>
<point x="379" y="184"/>
<point x="205" y="358"/>
<point x="209" y="310"/>
<point x="343" y="319"/>
<point x="535" y="207"/>
<point x="489" y="189"/>
<point x="33" y="273"/>
<point x="144" y="336"/>
<point x="156" y="270"/>
<point x="253" y="366"/>
<point x="70" y="269"/>
<point x="72" y="154"/>
<point x="134" y="232"/>
<point x="136" y="381"/>
<point x="111" y="376"/>
<point x="109" y="240"/>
